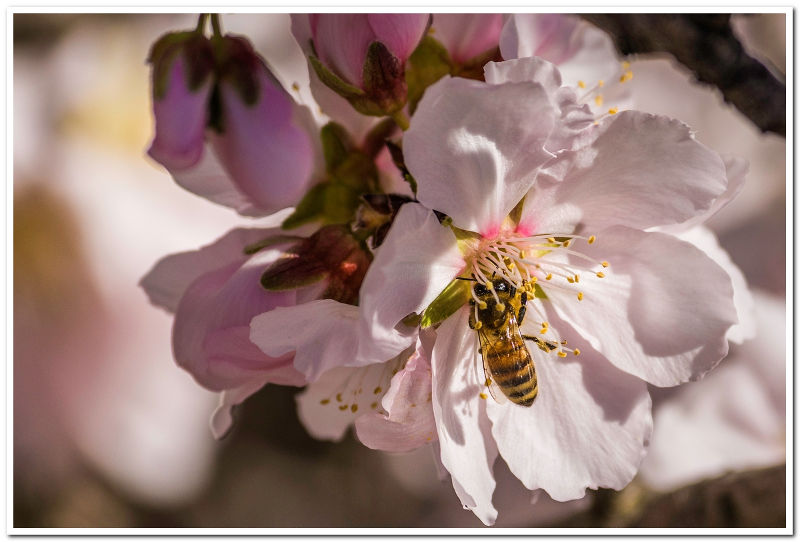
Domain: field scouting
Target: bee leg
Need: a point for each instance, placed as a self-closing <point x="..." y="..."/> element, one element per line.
<point x="523" y="307"/>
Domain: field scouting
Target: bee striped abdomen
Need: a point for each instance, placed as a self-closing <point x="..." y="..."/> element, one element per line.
<point x="516" y="380"/>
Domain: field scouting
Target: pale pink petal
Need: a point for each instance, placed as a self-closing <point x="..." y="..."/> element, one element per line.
<point x="341" y="41"/>
<point x="662" y="311"/>
<point x="400" y="33"/>
<point x="588" y="427"/>
<point x="407" y="422"/>
<point x="595" y="59"/>
<point x="705" y="240"/>
<point x="269" y="157"/>
<point x="736" y="170"/>
<point x="205" y="339"/>
<point x="169" y="278"/>
<point x="640" y="171"/>
<point x="222" y="418"/>
<point x="340" y="396"/>
<point x="468" y="448"/>
<point x="323" y="335"/>
<point x="475" y="149"/>
<point x="467" y="35"/>
<point x="574" y="117"/>
<point x="181" y="116"/>
<point x="416" y="261"/>
<point x="551" y="36"/>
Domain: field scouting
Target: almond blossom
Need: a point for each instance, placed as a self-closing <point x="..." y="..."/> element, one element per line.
<point x="622" y="305"/>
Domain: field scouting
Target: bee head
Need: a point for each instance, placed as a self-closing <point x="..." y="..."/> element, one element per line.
<point x="500" y="285"/>
<point x="480" y="289"/>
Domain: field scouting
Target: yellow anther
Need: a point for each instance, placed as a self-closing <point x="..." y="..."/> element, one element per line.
<point x="488" y="382"/>
<point x="600" y="83"/>
<point x="478" y="325"/>
<point x="562" y="354"/>
<point x="295" y="87"/>
<point x="342" y="407"/>
<point x="510" y="265"/>
<point x="604" y="264"/>
<point x="482" y="305"/>
<point x="551" y="239"/>
<point x="500" y="307"/>
<point x="373" y="406"/>
<point x="489" y="286"/>
<point x="564" y="341"/>
<point x="533" y="279"/>
<point x="482" y="395"/>
<point x="549" y="276"/>
<point x="625" y="64"/>
<point x="325" y="401"/>
<point x="570" y="280"/>
<point x="625" y="77"/>
<point x="577" y="278"/>
<point x="353" y="408"/>
<point x="581" y="84"/>
<point x="543" y="331"/>
<point x="522" y="254"/>
<point x="566" y="243"/>
<point x="577" y="352"/>
<point x="598" y="100"/>
<point x="613" y="111"/>
<point x="545" y="324"/>
<point x="600" y="274"/>
<point x="339" y="397"/>
<point x="580" y="296"/>
<point x="591" y="239"/>
<point x="377" y="390"/>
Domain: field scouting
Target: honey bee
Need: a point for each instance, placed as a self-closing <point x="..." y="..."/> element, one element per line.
<point x="507" y="362"/>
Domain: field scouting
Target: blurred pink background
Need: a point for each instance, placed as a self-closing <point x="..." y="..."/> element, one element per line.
<point x="108" y="432"/>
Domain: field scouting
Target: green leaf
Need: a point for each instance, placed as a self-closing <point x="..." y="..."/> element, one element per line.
<point x="446" y="303"/>
<point x="340" y="204"/>
<point x="358" y="172"/>
<point x="309" y="208"/>
<point x="427" y="64"/>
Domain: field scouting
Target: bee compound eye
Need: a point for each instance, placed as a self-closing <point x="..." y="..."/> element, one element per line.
<point x="500" y="285"/>
<point x="480" y="289"/>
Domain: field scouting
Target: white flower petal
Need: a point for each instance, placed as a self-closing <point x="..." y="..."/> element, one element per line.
<point x="475" y="149"/>
<point x="222" y="418"/>
<point x="467" y="446"/>
<point x="416" y="261"/>
<point x="588" y="427"/>
<point x="640" y="171"/>
<point x="322" y="334"/>
<point x="662" y="311"/>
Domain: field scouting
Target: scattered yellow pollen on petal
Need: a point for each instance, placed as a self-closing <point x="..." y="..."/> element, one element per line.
<point x="500" y="307"/>
<point x="295" y="87"/>
<point x="625" y="77"/>
<point x="577" y="352"/>
<point x="325" y="401"/>
<point x="591" y="239"/>
<point x="377" y="390"/>
<point x="600" y="274"/>
<point x="604" y="264"/>
<point x="580" y="296"/>
<point x="339" y="397"/>
<point x="354" y="408"/>
<point x="581" y="84"/>
<point x="343" y="407"/>
<point x="373" y="406"/>
<point x="598" y="100"/>
<point x="562" y="354"/>
<point x="549" y="276"/>
<point x="600" y="83"/>
<point x="613" y="111"/>
<point x="625" y="64"/>
<point x="482" y="395"/>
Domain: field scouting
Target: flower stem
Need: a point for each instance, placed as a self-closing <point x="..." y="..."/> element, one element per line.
<point x="400" y="119"/>
<point x="215" y="25"/>
<point x="201" y="23"/>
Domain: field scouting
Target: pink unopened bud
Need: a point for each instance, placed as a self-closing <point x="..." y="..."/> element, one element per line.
<point x="182" y="80"/>
<point x="262" y="139"/>
<point x="341" y="41"/>
<point x="467" y="35"/>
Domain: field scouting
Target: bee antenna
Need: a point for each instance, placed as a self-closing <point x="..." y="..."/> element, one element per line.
<point x="471" y="279"/>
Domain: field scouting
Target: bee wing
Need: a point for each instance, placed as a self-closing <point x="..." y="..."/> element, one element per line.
<point x="487" y="344"/>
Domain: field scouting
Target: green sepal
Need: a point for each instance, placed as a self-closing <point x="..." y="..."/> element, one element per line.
<point x="333" y="81"/>
<point x="292" y="272"/>
<point x="252" y="248"/>
<point x="446" y="303"/>
<point x="340" y="204"/>
<point x="384" y="81"/>
<point x="198" y="60"/>
<point x="309" y="208"/>
<point x="358" y="172"/>
<point x="239" y="65"/>
<point x="336" y="145"/>
<point x="427" y="64"/>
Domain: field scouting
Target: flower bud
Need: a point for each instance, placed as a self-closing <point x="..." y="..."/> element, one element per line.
<point x="467" y="35"/>
<point x="362" y="57"/>
<point x="182" y="67"/>
<point x="262" y="137"/>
